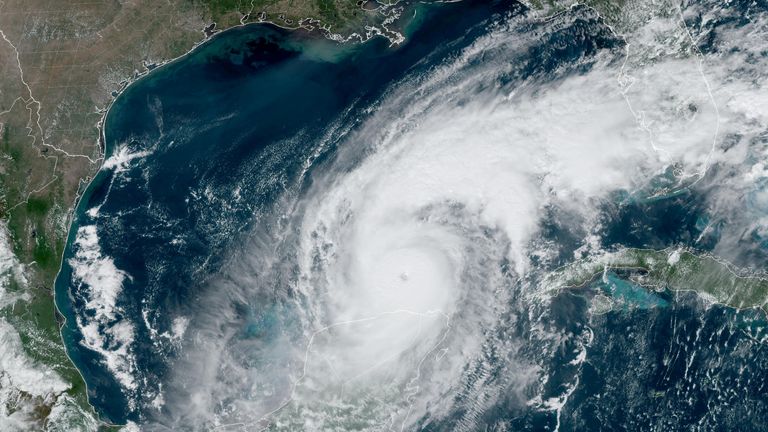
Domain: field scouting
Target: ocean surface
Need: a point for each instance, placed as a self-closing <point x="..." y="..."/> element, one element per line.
<point x="226" y="130"/>
<point x="200" y="273"/>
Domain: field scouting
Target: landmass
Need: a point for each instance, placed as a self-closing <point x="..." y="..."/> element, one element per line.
<point x="675" y="269"/>
<point x="339" y="20"/>
<point x="62" y="64"/>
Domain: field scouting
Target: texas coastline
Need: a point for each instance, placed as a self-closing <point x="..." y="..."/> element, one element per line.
<point x="62" y="300"/>
<point x="87" y="362"/>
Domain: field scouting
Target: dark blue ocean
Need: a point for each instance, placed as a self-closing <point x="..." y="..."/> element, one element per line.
<point x="202" y="150"/>
<point x="242" y="112"/>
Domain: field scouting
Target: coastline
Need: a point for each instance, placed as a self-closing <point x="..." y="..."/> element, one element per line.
<point x="107" y="150"/>
<point x="86" y="186"/>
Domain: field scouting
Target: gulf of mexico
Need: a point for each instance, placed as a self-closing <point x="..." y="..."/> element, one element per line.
<point x="195" y="152"/>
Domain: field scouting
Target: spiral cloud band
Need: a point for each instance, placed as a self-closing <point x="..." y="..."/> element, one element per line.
<point x="400" y="282"/>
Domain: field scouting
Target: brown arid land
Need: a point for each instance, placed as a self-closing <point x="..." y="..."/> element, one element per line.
<point x="62" y="63"/>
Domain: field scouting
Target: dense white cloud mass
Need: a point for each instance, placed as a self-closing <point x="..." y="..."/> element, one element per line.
<point x="28" y="387"/>
<point x="105" y="330"/>
<point x="405" y="265"/>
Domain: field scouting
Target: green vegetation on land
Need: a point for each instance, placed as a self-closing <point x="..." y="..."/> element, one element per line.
<point x="676" y="270"/>
<point x="57" y="82"/>
<point x="335" y="16"/>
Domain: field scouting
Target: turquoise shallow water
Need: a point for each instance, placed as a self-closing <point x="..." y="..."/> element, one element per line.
<point x="628" y="294"/>
<point x="213" y="140"/>
<point x="204" y="150"/>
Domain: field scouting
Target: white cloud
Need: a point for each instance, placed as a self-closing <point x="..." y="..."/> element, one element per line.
<point x="104" y="327"/>
<point x="26" y="385"/>
<point x="122" y="157"/>
<point x="399" y="246"/>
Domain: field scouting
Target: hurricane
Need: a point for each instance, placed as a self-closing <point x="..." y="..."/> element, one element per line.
<point x="388" y="267"/>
